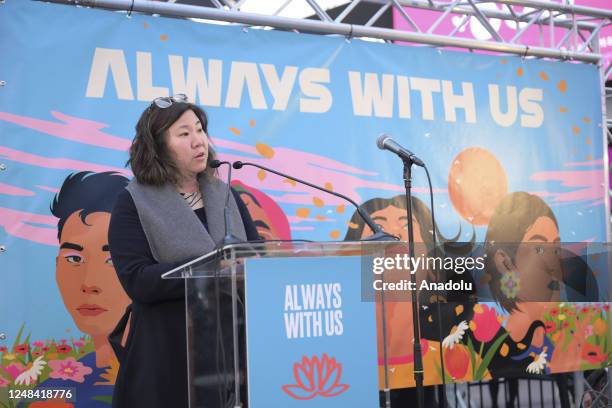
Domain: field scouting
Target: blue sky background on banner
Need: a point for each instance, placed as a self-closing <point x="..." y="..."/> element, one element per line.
<point x="49" y="50"/>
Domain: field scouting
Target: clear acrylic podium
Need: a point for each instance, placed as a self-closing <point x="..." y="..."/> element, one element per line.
<point x="215" y="311"/>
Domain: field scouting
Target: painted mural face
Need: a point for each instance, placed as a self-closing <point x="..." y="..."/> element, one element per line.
<point x="538" y="262"/>
<point x="86" y="277"/>
<point x="187" y="144"/>
<point x="393" y="220"/>
<point x="263" y="224"/>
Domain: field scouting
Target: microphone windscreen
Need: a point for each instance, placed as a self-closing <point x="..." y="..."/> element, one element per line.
<point x="215" y="163"/>
<point x="380" y="142"/>
<point x="237" y="165"/>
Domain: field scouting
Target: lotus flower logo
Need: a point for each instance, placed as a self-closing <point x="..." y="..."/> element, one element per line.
<point x="316" y="376"/>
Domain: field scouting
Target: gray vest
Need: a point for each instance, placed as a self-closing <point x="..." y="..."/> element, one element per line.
<point x="173" y="230"/>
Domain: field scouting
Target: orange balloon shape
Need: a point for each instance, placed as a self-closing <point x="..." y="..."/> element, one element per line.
<point x="476" y="184"/>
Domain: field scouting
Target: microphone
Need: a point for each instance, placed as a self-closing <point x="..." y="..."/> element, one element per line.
<point x="229" y="237"/>
<point x="379" y="234"/>
<point x="384" y="142"/>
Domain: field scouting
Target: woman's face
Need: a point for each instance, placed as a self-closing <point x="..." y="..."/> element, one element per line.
<point x="538" y="262"/>
<point x="86" y="277"/>
<point x="187" y="144"/>
<point x="393" y="220"/>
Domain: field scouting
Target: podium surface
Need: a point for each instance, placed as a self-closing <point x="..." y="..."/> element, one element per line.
<point x="287" y="320"/>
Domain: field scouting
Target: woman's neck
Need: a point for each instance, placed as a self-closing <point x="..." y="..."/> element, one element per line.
<point x="187" y="185"/>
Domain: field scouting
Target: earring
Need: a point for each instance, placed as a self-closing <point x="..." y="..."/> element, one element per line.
<point x="510" y="284"/>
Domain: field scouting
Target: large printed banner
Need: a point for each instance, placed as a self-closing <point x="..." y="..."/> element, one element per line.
<point x="501" y="136"/>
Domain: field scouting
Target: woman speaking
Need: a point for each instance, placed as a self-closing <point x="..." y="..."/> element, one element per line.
<point x="170" y="213"/>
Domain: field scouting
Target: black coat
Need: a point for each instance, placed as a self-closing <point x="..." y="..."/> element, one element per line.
<point x="153" y="363"/>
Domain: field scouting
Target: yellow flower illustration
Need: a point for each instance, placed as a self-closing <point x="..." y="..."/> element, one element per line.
<point x="9" y="356"/>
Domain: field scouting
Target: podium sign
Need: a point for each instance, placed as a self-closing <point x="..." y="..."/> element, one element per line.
<point x="311" y="341"/>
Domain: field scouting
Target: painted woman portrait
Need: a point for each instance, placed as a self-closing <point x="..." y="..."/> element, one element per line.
<point x="391" y="215"/>
<point x="526" y="277"/>
<point x="268" y="217"/>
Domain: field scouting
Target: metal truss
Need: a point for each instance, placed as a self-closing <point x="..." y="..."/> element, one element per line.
<point x="566" y="32"/>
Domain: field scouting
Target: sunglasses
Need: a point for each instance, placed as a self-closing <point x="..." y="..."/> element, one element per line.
<point x="167" y="101"/>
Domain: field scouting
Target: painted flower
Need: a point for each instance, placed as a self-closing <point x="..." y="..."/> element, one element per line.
<point x="37" y="353"/>
<point x="510" y="284"/>
<point x="316" y="376"/>
<point x="550" y="326"/>
<point x="3" y="349"/>
<point x="585" y="310"/>
<point x="456" y="361"/>
<point x="45" y="349"/>
<point x="588" y="331"/>
<point x="14" y="369"/>
<point x="21" y="349"/>
<point x="78" y="344"/>
<point x="485" y="323"/>
<point x="455" y="336"/>
<point x="562" y="317"/>
<point x="4" y="382"/>
<point x="565" y="325"/>
<point x="38" y="344"/>
<point x="600" y="327"/>
<point x="9" y="356"/>
<point x="606" y="308"/>
<point x="593" y="354"/>
<point x="554" y="312"/>
<point x="69" y="369"/>
<point x="64" y="349"/>
<point x="31" y="373"/>
<point x="538" y="363"/>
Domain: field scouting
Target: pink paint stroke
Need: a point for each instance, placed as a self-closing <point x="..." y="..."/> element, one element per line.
<point x="296" y="220"/>
<point x="315" y="169"/>
<point x="588" y="185"/>
<point x="75" y="129"/>
<point x="293" y="228"/>
<point x="47" y="188"/>
<point x="57" y="163"/>
<point x="597" y="203"/>
<point x="590" y="163"/>
<point x="16" y="223"/>
<point x="287" y="154"/>
<point x="14" y="190"/>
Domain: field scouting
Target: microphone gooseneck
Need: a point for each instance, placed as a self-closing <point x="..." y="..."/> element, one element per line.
<point x="379" y="234"/>
<point x="229" y="238"/>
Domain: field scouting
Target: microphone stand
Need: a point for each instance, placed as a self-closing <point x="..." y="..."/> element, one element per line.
<point x="417" y="352"/>
<point x="229" y="239"/>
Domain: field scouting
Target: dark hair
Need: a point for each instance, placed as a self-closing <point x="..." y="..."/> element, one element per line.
<point x="513" y="216"/>
<point x="420" y="210"/>
<point x="149" y="156"/>
<point x="86" y="192"/>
